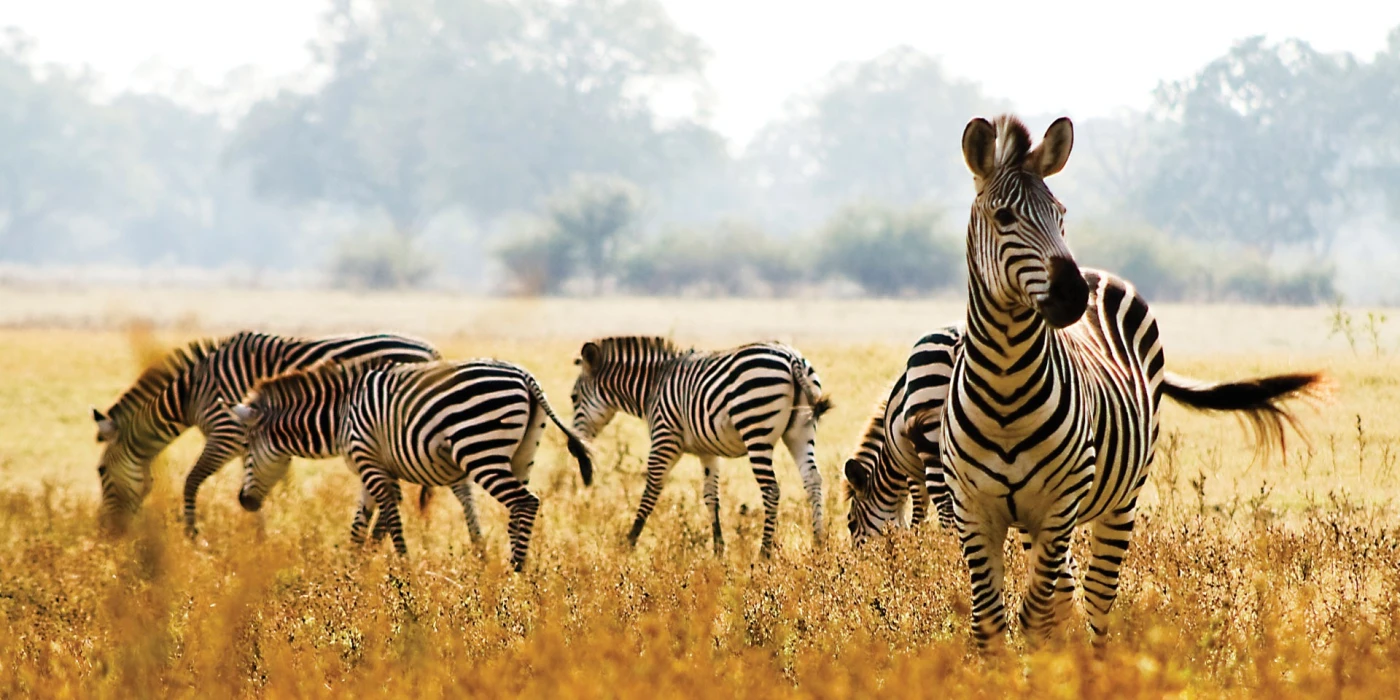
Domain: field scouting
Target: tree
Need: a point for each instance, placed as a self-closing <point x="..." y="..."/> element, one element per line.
<point x="885" y="129"/>
<point x="58" y="160"/>
<point x="890" y="251"/>
<point x="483" y="105"/>
<point x="1258" y="146"/>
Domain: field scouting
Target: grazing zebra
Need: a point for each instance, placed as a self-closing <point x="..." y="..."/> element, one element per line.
<point x="1052" y="412"/>
<point x="185" y="389"/>
<point x="890" y="463"/>
<point x="434" y="424"/>
<point x="729" y="403"/>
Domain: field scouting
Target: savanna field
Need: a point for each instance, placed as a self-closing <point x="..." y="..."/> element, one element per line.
<point x="1271" y="578"/>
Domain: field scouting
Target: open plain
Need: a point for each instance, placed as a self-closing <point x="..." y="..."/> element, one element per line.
<point x="1273" y="577"/>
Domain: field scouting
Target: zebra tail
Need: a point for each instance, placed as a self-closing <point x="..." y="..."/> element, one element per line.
<point x="1259" y="400"/>
<point x="821" y="403"/>
<point x="425" y="496"/>
<point x="578" y="447"/>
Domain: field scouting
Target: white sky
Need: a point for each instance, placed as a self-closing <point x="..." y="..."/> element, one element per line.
<point x="1088" y="59"/>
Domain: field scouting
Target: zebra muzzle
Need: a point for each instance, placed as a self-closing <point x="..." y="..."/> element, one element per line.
<point x="1068" y="297"/>
<point x="249" y="502"/>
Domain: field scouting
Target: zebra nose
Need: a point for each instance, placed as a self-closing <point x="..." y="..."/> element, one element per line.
<point x="249" y="503"/>
<point x="1068" y="295"/>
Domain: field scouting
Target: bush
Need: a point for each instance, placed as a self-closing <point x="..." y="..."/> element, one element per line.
<point x="889" y="251"/>
<point x="379" y="261"/>
<point x="1161" y="269"/>
<point x="733" y="260"/>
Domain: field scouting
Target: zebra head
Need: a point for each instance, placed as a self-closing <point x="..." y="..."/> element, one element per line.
<point x="1016" y="252"/>
<point x="594" y="408"/>
<point x="264" y="422"/>
<point x="124" y="474"/>
<point x="876" y="504"/>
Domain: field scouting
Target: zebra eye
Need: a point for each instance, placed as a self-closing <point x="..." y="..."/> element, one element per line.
<point x="1004" y="216"/>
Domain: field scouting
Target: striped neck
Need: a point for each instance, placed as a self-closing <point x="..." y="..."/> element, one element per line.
<point x="629" y="387"/>
<point x="1005" y="347"/>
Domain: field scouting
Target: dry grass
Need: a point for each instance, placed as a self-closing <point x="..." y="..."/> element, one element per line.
<point x="1244" y="579"/>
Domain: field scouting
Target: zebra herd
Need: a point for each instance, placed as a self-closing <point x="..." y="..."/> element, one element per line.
<point x="1039" y="413"/>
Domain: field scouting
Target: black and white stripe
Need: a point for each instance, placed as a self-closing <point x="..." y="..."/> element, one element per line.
<point x="1052" y="412"/>
<point x="434" y="424"/>
<point x="894" y="460"/>
<point x="731" y="403"/>
<point x="185" y="389"/>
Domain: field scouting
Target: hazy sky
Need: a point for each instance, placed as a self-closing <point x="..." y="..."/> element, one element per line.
<point x="1089" y="58"/>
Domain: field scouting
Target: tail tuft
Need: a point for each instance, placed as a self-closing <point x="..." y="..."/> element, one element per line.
<point x="579" y="450"/>
<point x="1258" y="400"/>
<point x="425" y="496"/>
<point x="821" y="406"/>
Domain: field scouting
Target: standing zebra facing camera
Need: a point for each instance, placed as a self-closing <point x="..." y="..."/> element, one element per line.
<point x="730" y="403"/>
<point x="190" y="386"/>
<point x="1052" y="414"/>
<point x="434" y="424"/>
<point x="895" y="460"/>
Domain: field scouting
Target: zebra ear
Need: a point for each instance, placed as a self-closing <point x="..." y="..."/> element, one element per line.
<point x="590" y="354"/>
<point x="979" y="144"/>
<point x="858" y="474"/>
<point x="244" y="413"/>
<point x="1051" y="154"/>
<point x="106" y="428"/>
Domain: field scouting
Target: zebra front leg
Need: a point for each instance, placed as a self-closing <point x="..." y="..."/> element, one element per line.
<point x="363" y="513"/>
<point x="801" y="441"/>
<point x="1050" y="594"/>
<point x="711" y="465"/>
<point x="463" y="491"/>
<point x="220" y="446"/>
<point x="1110" y="538"/>
<point x="498" y="481"/>
<point x="982" y="541"/>
<point x="665" y="451"/>
<point x="384" y="487"/>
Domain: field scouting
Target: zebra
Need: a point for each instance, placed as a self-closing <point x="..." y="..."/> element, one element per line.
<point x="893" y="460"/>
<point x="434" y="424"/>
<point x="1051" y="419"/>
<point x="187" y="387"/>
<point x="729" y="403"/>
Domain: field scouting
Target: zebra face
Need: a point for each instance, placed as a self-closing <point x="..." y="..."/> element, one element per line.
<point x="871" y="511"/>
<point x="1016" y="247"/>
<point x="267" y="463"/>
<point x="592" y="410"/>
<point x="123" y="474"/>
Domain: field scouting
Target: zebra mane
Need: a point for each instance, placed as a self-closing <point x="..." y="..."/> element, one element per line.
<point x="290" y="382"/>
<point x="1013" y="141"/>
<point x="624" y="347"/>
<point x="158" y="376"/>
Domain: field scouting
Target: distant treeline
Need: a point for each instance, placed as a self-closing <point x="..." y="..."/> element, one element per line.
<point x="517" y="145"/>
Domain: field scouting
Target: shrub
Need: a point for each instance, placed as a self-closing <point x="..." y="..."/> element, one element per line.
<point x="889" y="251"/>
<point x="732" y="260"/>
<point x="379" y="261"/>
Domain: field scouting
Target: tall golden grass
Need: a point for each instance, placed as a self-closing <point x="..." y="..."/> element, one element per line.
<point x="1243" y="579"/>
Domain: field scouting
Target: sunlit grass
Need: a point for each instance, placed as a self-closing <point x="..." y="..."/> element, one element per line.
<point x="1244" y="579"/>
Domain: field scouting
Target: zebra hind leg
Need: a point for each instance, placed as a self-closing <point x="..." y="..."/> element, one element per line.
<point x="1108" y="546"/>
<point x="761" y="459"/>
<point x="498" y="481"/>
<point x="711" y="465"/>
<point x="801" y="441"/>
<point x="463" y="491"/>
